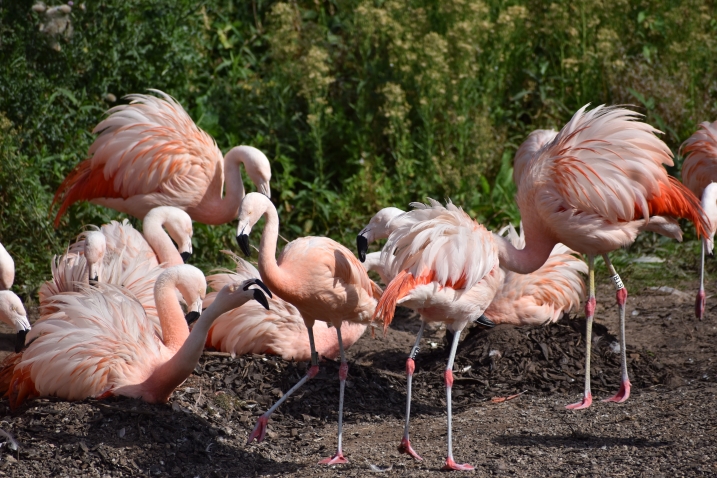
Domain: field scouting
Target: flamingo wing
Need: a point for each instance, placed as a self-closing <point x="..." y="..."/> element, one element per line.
<point x="150" y="146"/>
<point x="605" y="163"/>
<point x="700" y="166"/>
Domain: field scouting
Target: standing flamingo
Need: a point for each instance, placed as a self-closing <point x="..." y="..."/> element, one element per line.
<point x="594" y="188"/>
<point x="150" y="153"/>
<point x="98" y="342"/>
<point x="12" y="312"/>
<point x="279" y="330"/>
<point x="446" y="268"/>
<point x="699" y="173"/>
<point x="318" y="276"/>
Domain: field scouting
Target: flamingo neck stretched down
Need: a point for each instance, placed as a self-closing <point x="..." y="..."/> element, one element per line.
<point x="174" y="327"/>
<point x="155" y="235"/>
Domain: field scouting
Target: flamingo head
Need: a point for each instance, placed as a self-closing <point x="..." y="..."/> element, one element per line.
<point x="377" y="228"/>
<point x="12" y="311"/>
<point x="95" y="248"/>
<point x="179" y="227"/>
<point x="253" y="207"/>
<point x="235" y="295"/>
<point x="257" y="167"/>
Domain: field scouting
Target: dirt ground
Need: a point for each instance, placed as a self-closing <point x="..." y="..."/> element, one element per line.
<point x="667" y="428"/>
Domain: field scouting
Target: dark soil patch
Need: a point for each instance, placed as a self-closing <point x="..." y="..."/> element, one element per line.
<point x="667" y="427"/>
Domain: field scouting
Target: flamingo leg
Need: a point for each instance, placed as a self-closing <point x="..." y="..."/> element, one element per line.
<point x="405" y="446"/>
<point x="589" y="314"/>
<point x="260" y="429"/>
<point x="339" y="458"/>
<point x="700" y="302"/>
<point x="621" y="294"/>
<point x="450" y="462"/>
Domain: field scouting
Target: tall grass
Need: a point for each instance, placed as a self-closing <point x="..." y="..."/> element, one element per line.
<point x="358" y="104"/>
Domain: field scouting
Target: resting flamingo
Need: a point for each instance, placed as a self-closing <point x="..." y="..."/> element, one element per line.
<point x="446" y="268"/>
<point x="12" y="312"/>
<point x="318" y="276"/>
<point x="150" y="153"/>
<point x="280" y="330"/>
<point x="699" y="173"/>
<point x="97" y="342"/>
<point x="594" y="188"/>
<point x="108" y="253"/>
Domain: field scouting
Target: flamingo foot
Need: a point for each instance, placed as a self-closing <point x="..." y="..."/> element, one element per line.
<point x="622" y="395"/>
<point x="584" y="403"/>
<point x="337" y="459"/>
<point x="451" y="465"/>
<point x="259" y="430"/>
<point x="405" y="447"/>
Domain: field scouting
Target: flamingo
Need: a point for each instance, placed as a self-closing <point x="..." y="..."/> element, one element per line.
<point x="541" y="297"/>
<point x="594" y="188"/>
<point x="111" y="251"/>
<point x="280" y="330"/>
<point x="446" y="268"/>
<point x="150" y="153"/>
<point x="98" y="342"/>
<point x="699" y="173"/>
<point x="532" y="144"/>
<point x="318" y="276"/>
<point x="12" y="311"/>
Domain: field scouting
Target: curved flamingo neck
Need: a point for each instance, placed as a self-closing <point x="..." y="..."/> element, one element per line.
<point x="171" y="318"/>
<point x="215" y="209"/>
<point x="274" y="277"/>
<point x="155" y="235"/>
<point x="529" y="259"/>
<point x="173" y="372"/>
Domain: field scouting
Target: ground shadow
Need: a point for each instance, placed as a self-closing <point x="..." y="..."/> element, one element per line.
<point x="577" y="440"/>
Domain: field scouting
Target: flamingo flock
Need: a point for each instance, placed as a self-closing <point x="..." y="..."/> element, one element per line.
<point x="115" y="317"/>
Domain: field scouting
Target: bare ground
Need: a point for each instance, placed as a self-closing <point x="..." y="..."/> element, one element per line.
<point x="667" y="428"/>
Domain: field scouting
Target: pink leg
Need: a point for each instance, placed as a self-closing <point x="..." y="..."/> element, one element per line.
<point x="450" y="462"/>
<point x="589" y="314"/>
<point x="624" y="392"/>
<point x="260" y="429"/>
<point x="701" y="298"/>
<point x="405" y="446"/>
<point x="339" y="458"/>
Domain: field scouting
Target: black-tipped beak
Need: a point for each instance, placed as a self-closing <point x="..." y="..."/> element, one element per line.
<point x="20" y="341"/>
<point x="192" y="317"/>
<point x="243" y="241"/>
<point x="361" y="247"/>
<point x="94" y="280"/>
<point x="186" y="256"/>
<point x="260" y="284"/>
<point x="485" y="321"/>
<point x="261" y="298"/>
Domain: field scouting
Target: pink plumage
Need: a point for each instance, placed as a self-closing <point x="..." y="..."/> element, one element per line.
<point x="529" y="148"/>
<point x="150" y="153"/>
<point x="277" y="331"/>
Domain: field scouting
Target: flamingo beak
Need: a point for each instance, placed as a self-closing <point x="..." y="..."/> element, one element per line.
<point x="243" y="241"/>
<point x="186" y="256"/>
<point x="485" y="321"/>
<point x="260" y="284"/>
<point x="261" y="298"/>
<point x="361" y="246"/>
<point x="20" y="340"/>
<point x="192" y="317"/>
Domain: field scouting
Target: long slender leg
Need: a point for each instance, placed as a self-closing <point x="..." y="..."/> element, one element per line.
<point x="405" y="446"/>
<point x="621" y="294"/>
<point x="700" y="302"/>
<point x="450" y="462"/>
<point x="343" y="372"/>
<point x="260" y="429"/>
<point x="589" y="314"/>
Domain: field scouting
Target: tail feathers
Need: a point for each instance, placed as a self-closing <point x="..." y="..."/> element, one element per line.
<point x="678" y="201"/>
<point x="397" y="289"/>
<point x="17" y="385"/>
<point x="82" y="184"/>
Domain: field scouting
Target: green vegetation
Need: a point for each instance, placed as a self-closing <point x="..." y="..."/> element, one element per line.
<point x="358" y="104"/>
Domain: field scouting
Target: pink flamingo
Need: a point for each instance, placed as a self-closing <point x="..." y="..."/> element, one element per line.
<point x="318" y="276"/>
<point x="543" y="296"/>
<point x="98" y="342"/>
<point x="150" y="153"/>
<point x="699" y="173"/>
<point x="594" y="188"/>
<point x="533" y="143"/>
<point x="12" y="312"/>
<point x="446" y="268"/>
<point x="279" y="330"/>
